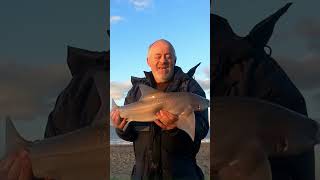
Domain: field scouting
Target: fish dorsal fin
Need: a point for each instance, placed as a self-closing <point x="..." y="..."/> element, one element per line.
<point x="261" y="33"/>
<point x="147" y="91"/>
<point x="193" y="70"/>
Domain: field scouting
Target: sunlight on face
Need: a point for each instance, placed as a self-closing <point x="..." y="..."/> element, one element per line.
<point x="161" y="59"/>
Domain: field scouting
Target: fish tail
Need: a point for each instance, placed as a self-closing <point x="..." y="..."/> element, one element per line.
<point x="13" y="139"/>
<point x="114" y="105"/>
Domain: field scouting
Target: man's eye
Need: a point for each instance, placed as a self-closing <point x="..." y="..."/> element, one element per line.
<point x="168" y="56"/>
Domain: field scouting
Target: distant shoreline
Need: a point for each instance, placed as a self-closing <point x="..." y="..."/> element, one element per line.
<point x="122" y="160"/>
<point x="115" y="142"/>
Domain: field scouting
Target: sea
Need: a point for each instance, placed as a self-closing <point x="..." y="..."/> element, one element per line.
<point x="115" y="140"/>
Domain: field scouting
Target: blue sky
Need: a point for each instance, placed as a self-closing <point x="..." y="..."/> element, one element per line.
<point x="135" y="24"/>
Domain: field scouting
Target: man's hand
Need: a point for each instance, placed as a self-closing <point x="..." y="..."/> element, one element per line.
<point x="117" y="121"/>
<point x="166" y="120"/>
<point x="17" y="166"/>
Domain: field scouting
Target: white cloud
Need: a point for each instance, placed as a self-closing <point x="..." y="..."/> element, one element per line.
<point x="25" y="96"/>
<point x="206" y="71"/>
<point x="205" y="84"/>
<point x="116" y="19"/>
<point x="203" y="78"/>
<point x="141" y="4"/>
<point x="118" y="90"/>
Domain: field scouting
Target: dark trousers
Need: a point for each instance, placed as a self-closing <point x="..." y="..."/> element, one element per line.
<point x="298" y="167"/>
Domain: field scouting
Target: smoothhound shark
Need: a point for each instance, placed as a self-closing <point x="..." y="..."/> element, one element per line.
<point x="152" y="101"/>
<point x="246" y="131"/>
<point x="78" y="155"/>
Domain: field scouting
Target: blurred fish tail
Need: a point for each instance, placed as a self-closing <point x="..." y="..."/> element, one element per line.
<point x="13" y="140"/>
<point x="114" y="105"/>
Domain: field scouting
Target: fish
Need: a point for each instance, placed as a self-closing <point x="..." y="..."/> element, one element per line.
<point x="78" y="155"/>
<point x="81" y="154"/>
<point x="182" y="104"/>
<point x="247" y="131"/>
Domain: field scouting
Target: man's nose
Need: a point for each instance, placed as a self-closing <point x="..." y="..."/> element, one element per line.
<point x="163" y="59"/>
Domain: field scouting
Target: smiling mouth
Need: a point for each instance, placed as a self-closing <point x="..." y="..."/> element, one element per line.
<point x="163" y="68"/>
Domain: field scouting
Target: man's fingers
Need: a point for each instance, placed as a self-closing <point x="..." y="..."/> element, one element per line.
<point x="160" y="119"/>
<point x="122" y="124"/>
<point x="112" y="112"/>
<point x="7" y="163"/>
<point x="116" y="118"/>
<point x="26" y="171"/>
<point x="20" y="162"/>
<point x="160" y="124"/>
<point x="172" y="116"/>
<point x="165" y="118"/>
<point x="169" y="116"/>
<point x="15" y="169"/>
<point x="117" y="121"/>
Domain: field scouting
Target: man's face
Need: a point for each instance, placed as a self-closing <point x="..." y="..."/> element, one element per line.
<point x="161" y="60"/>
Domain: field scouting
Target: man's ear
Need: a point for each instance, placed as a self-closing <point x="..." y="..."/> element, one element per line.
<point x="148" y="62"/>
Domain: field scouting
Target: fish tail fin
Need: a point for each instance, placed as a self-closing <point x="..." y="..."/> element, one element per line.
<point x="114" y="104"/>
<point x="13" y="139"/>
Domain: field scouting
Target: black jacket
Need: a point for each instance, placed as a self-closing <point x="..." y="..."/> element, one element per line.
<point x="165" y="154"/>
<point x="78" y="104"/>
<point x="251" y="72"/>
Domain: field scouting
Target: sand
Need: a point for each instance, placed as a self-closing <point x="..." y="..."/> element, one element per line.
<point x="122" y="160"/>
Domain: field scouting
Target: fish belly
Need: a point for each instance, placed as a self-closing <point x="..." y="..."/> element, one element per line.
<point x="84" y="165"/>
<point x="76" y="155"/>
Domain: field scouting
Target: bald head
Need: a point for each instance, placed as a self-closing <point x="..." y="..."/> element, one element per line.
<point x="161" y="59"/>
<point x="161" y="41"/>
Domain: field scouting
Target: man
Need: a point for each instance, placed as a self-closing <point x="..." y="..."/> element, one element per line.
<point x="161" y="150"/>
<point x="242" y="68"/>
<point x="76" y="107"/>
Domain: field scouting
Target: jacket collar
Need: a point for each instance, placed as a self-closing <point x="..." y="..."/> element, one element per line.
<point x="178" y="77"/>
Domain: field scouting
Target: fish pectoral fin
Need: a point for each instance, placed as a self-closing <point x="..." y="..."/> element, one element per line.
<point x="186" y="122"/>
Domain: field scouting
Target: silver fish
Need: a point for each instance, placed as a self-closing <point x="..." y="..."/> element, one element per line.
<point x="81" y="154"/>
<point x="78" y="155"/>
<point x="247" y="131"/>
<point x="152" y="101"/>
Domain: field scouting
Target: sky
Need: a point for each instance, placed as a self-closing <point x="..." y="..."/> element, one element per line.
<point x="135" y="24"/>
<point x="33" y="47"/>
<point x="295" y="41"/>
<point x="34" y="36"/>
